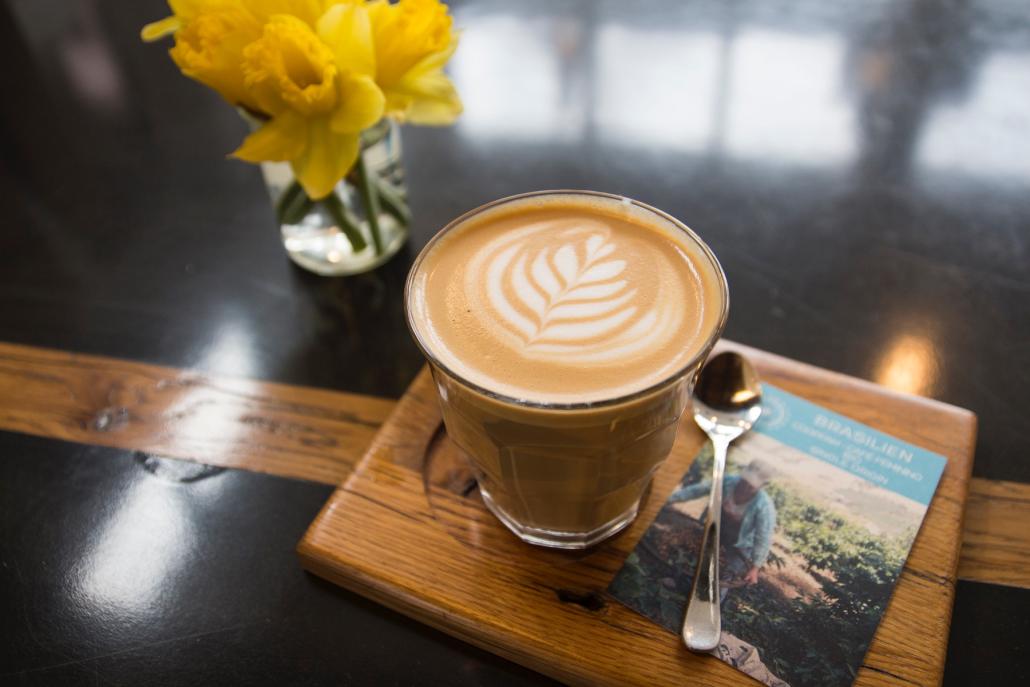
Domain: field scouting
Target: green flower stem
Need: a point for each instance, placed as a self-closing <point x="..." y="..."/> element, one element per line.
<point x="370" y="199"/>
<point x="392" y="200"/>
<point x="293" y="204"/>
<point x="347" y="225"/>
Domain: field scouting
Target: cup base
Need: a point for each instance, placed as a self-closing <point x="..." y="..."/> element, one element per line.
<point x="557" y="539"/>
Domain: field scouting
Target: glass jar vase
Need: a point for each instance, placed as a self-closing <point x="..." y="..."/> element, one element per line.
<point x="357" y="227"/>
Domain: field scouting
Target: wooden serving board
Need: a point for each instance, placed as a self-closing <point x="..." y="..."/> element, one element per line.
<point x="409" y="530"/>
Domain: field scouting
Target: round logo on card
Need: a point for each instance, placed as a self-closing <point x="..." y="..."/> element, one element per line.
<point x="774" y="413"/>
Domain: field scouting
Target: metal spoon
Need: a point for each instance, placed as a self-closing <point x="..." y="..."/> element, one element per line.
<point x="727" y="403"/>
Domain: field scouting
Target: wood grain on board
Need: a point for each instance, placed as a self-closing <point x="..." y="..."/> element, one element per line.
<point x="436" y="554"/>
<point x="284" y="430"/>
<point x="995" y="537"/>
<point x="136" y="406"/>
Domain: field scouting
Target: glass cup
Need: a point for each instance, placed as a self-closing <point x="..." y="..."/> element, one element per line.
<point x="565" y="475"/>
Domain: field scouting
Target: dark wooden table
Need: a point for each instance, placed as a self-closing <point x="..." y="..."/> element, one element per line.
<point x="862" y="170"/>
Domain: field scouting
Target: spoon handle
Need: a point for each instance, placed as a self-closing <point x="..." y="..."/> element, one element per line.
<point x="702" y="623"/>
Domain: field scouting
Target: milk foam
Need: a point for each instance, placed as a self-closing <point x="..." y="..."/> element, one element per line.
<point x="561" y="291"/>
<point x="564" y="303"/>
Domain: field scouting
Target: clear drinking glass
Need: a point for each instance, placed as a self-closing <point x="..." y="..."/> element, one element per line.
<point x="565" y="475"/>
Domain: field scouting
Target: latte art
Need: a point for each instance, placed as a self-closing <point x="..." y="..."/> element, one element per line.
<point x="564" y="330"/>
<point x="559" y="288"/>
<point x="565" y="299"/>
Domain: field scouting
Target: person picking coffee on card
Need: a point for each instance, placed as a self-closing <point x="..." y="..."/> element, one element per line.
<point x="748" y="521"/>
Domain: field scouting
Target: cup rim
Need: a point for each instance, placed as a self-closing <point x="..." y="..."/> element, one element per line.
<point x="582" y="405"/>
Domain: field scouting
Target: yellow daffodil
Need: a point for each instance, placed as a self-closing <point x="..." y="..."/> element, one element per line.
<point x="316" y="86"/>
<point x="209" y="48"/>
<point x="210" y="36"/>
<point x="413" y="41"/>
<point x="316" y="73"/>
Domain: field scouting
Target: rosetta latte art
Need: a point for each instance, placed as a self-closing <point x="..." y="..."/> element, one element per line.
<point x="561" y="289"/>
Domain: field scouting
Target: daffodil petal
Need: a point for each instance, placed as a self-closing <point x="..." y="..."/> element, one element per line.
<point x="346" y="29"/>
<point x="209" y="48"/>
<point x="290" y="68"/>
<point x="361" y="105"/>
<point x="159" y="29"/>
<point x="281" y="138"/>
<point x="429" y="99"/>
<point x="187" y="9"/>
<point x="307" y="11"/>
<point x="435" y="61"/>
<point x="428" y="112"/>
<point x="329" y="156"/>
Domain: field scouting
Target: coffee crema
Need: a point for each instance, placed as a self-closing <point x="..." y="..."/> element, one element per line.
<point x="565" y="299"/>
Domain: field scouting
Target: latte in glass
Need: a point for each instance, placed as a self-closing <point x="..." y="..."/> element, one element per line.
<point x="564" y="330"/>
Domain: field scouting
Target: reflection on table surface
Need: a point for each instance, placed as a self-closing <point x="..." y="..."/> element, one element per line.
<point x="860" y="168"/>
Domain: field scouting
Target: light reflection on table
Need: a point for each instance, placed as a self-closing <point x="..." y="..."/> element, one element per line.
<point x="747" y="84"/>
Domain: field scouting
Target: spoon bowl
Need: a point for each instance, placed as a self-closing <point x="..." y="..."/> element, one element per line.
<point x="728" y="396"/>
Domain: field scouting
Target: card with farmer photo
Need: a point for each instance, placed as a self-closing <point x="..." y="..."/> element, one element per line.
<point x="819" y="513"/>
